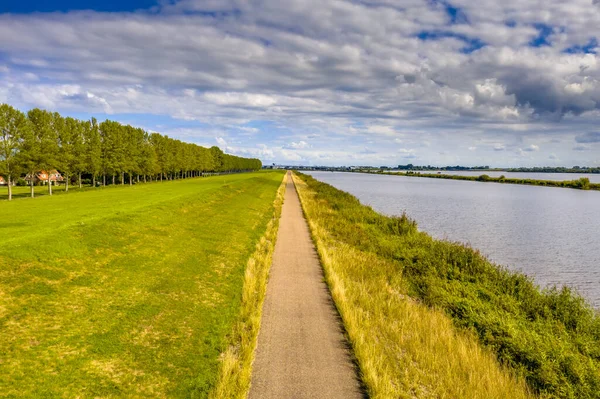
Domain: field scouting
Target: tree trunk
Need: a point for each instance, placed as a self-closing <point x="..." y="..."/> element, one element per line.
<point x="66" y="182"/>
<point x="122" y="178"/>
<point x="31" y="184"/>
<point x="80" y="185"/>
<point x="130" y="179"/>
<point x="113" y="180"/>
<point x="144" y="178"/>
<point x="93" y="180"/>
<point x="9" y="189"/>
<point x="49" y="184"/>
<point x="138" y="178"/>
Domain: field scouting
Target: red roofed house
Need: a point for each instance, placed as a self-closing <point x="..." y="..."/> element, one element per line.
<point x="2" y="181"/>
<point x="42" y="177"/>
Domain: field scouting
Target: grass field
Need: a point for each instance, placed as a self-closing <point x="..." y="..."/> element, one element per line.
<point x="431" y="318"/>
<point x="40" y="191"/>
<point x="126" y="291"/>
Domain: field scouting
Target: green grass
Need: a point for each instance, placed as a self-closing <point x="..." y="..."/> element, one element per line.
<point x="126" y="291"/>
<point x="236" y="361"/>
<point x="384" y="272"/>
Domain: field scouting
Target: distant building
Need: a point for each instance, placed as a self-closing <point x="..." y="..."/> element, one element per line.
<point x="2" y="181"/>
<point x="42" y="177"/>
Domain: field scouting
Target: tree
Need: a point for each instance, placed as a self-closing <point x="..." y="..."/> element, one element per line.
<point x="46" y="137"/>
<point x="67" y="130"/>
<point x="93" y="149"/>
<point x="47" y="141"/>
<point x="13" y="126"/>
<point x="78" y="162"/>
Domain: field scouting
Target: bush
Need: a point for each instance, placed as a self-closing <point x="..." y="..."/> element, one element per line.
<point x="21" y="182"/>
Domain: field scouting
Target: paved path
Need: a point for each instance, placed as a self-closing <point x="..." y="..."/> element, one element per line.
<point x="301" y="349"/>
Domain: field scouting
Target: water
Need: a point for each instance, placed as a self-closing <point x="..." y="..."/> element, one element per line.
<point x="550" y="234"/>
<point x="594" y="177"/>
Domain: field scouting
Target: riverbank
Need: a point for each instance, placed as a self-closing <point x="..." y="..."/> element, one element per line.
<point x="429" y="316"/>
<point x="580" y="184"/>
<point x="129" y="291"/>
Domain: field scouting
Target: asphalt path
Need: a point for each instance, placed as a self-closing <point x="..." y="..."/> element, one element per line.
<point x="301" y="352"/>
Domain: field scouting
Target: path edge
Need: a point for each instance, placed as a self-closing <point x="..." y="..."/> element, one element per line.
<point x="235" y="362"/>
<point x="335" y="291"/>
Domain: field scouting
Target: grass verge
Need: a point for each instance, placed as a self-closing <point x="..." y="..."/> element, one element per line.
<point x="429" y="318"/>
<point x="128" y="292"/>
<point x="236" y="361"/>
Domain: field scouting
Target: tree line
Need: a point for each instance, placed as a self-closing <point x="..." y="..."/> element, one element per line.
<point x="107" y="151"/>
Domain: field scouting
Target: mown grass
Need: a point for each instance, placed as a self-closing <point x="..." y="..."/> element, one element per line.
<point x="236" y="362"/>
<point x="430" y="318"/>
<point x="126" y="292"/>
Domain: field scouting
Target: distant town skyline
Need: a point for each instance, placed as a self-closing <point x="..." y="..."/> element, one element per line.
<point x="332" y="83"/>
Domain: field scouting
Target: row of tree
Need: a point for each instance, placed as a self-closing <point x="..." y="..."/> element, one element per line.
<point x="42" y="140"/>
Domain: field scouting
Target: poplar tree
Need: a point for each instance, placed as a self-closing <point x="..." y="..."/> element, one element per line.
<point x="66" y="129"/>
<point x="13" y="127"/>
<point x="93" y="149"/>
<point x="79" y="164"/>
<point x="45" y="133"/>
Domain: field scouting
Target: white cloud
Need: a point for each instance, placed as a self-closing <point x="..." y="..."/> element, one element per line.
<point x="300" y="145"/>
<point x="348" y="71"/>
<point x="221" y="141"/>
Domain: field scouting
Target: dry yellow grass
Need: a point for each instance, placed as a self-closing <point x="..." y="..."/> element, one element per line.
<point x="236" y="362"/>
<point x="404" y="349"/>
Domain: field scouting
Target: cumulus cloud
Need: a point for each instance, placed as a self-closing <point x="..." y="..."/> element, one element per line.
<point x="581" y="147"/>
<point x="349" y="71"/>
<point x="300" y="145"/>
<point x="590" y="137"/>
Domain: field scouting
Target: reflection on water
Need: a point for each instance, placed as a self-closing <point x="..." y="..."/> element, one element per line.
<point x="548" y="233"/>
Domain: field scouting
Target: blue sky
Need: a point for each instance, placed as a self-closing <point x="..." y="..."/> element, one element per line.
<point x="29" y="6"/>
<point x="322" y="82"/>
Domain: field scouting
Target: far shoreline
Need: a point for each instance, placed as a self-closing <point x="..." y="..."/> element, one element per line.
<point x="582" y="183"/>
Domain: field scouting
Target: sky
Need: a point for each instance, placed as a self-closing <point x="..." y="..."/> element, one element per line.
<point x="322" y="82"/>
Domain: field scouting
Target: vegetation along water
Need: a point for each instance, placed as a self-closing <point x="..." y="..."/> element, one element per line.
<point x="128" y="291"/>
<point x="582" y="183"/>
<point x="431" y="317"/>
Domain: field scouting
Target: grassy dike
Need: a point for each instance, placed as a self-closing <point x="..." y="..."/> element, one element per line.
<point x="429" y="318"/>
<point x="127" y="292"/>
<point x="236" y="361"/>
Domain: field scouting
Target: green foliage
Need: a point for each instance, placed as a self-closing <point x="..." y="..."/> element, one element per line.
<point x="14" y="128"/>
<point x="45" y="141"/>
<point x="551" y="337"/>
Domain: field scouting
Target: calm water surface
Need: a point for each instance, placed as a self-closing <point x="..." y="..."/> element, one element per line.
<point x="551" y="234"/>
